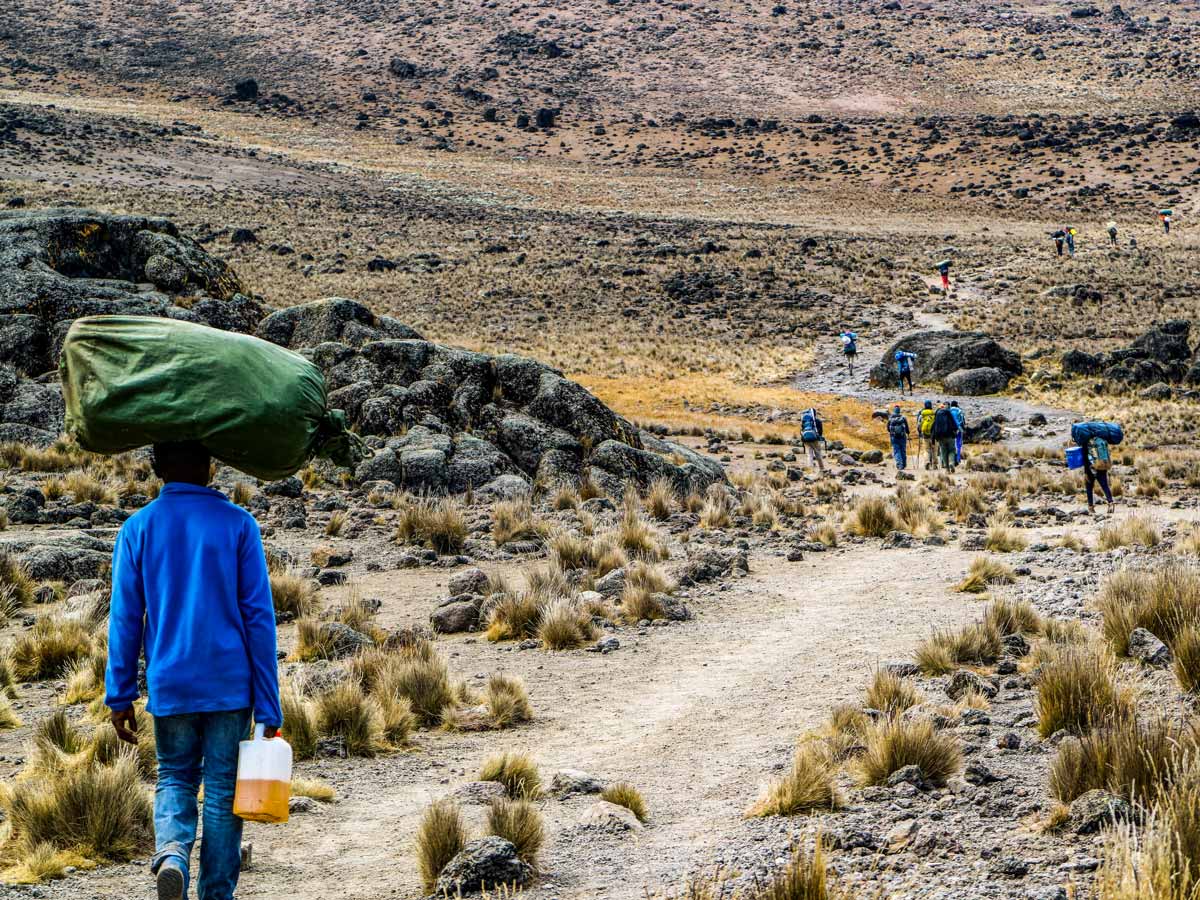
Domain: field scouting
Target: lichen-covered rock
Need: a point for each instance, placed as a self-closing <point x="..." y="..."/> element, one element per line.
<point x="484" y="863"/>
<point x="332" y="319"/>
<point x="941" y="352"/>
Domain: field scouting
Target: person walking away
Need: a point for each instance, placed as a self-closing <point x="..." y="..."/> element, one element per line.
<point x="1070" y="235"/>
<point x="961" y="422"/>
<point x="190" y="590"/>
<point x="812" y="435"/>
<point x="850" y="348"/>
<point x="943" y="432"/>
<point x="1112" y="233"/>
<point x="944" y="270"/>
<point x="1097" y="461"/>
<point x="925" y="432"/>
<point x="1165" y="215"/>
<point x="898" y="432"/>
<point x="1059" y="236"/>
<point x="904" y="367"/>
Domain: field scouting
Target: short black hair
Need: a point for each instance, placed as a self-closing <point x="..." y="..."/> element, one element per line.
<point x="173" y="454"/>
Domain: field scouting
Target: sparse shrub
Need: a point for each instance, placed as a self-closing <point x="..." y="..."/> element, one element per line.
<point x="1130" y="759"/>
<point x="515" y="616"/>
<point x="1185" y="649"/>
<point x="357" y="612"/>
<point x="808" y="786"/>
<point x="962" y="502"/>
<point x="241" y="493"/>
<point x="638" y="538"/>
<point x="312" y="642"/>
<point x="1189" y="543"/>
<point x="396" y="717"/>
<point x="519" y="823"/>
<point x="49" y="648"/>
<point x="106" y="748"/>
<point x="625" y="794"/>
<point x="86" y="488"/>
<point x="1162" y="601"/>
<point x="895" y="743"/>
<point x="717" y="511"/>
<point x="1071" y="541"/>
<point x="337" y="521"/>
<point x="984" y="572"/>
<point x="1077" y="691"/>
<point x="8" y="716"/>
<point x="516" y="771"/>
<point x="915" y="513"/>
<point x="85" y="679"/>
<point x="1134" y="531"/>
<point x="826" y="534"/>
<point x="294" y="596"/>
<point x="345" y="711"/>
<point x="640" y="603"/>
<point x="564" y="625"/>
<point x="565" y="497"/>
<point x="1064" y="631"/>
<point x="13" y="575"/>
<point x="891" y="694"/>
<point x="440" y="837"/>
<point x="507" y="701"/>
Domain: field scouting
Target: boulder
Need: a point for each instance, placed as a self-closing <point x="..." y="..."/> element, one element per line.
<point x="941" y="352"/>
<point x="333" y="319"/>
<point x="1077" y="362"/>
<point x="1166" y="343"/>
<point x="610" y="817"/>
<point x="1095" y="809"/>
<point x="976" y="382"/>
<point x="468" y="581"/>
<point x="1147" y="648"/>
<point x="484" y="863"/>
<point x="569" y="782"/>
<point x="965" y="681"/>
<point x="455" y="617"/>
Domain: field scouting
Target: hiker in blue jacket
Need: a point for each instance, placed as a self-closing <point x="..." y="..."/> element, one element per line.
<point x="898" y="432"/>
<point x="961" y="421"/>
<point x="190" y="589"/>
<point x="904" y="367"/>
<point x="849" y="348"/>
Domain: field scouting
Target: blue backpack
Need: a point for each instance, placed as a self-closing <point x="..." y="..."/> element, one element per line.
<point x="903" y="361"/>
<point x="808" y="427"/>
<point x="1111" y="432"/>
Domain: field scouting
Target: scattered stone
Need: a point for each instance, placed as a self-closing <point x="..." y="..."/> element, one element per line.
<point x="610" y="817"/>
<point x="487" y="862"/>
<point x="569" y="782"/>
<point x="1095" y="809"/>
<point x="1147" y="648"/>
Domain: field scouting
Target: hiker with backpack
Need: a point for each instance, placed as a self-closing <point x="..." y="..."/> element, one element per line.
<point x="1112" y="233"/>
<point x="961" y="421"/>
<point x="1165" y="216"/>
<point x="1095" y="439"/>
<point x="944" y="270"/>
<point x="925" y="433"/>
<point x="904" y="368"/>
<point x="849" y="348"/>
<point x="897" y="426"/>
<point x="812" y="435"/>
<point x="1059" y="236"/>
<point x="943" y="432"/>
<point x="1070" y="235"/>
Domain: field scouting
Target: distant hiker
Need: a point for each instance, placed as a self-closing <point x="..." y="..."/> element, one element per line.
<point x="1070" y="236"/>
<point x="904" y="367"/>
<point x="898" y="432"/>
<point x="812" y="435"/>
<point x="191" y="594"/>
<point x="849" y="348"/>
<point x="944" y="270"/>
<point x="1112" y="233"/>
<point x="943" y="432"/>
<point x="1059" y="236"/>
<point x="961" y="421"/>
<point x="1165" y="215"/>
<point x="1096" y="463"/>
<point x="925" y="431"/>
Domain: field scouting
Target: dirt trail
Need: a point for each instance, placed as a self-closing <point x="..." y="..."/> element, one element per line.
<point x="697" y="716"/>
<point x="829" y="375"/>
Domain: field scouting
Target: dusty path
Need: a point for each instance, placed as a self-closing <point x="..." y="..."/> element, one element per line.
<point x="697" y="716"/>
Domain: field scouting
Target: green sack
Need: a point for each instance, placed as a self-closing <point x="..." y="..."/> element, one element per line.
<point x="129" y="381"/>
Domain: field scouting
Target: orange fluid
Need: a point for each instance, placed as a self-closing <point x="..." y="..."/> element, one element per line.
<point x="262" y="801"/>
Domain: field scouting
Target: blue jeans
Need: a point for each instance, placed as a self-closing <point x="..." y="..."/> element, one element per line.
<point x="900" y="452"/>
<point x="192" y="748"/>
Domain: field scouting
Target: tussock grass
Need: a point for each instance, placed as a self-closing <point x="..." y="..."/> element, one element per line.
<point x="638" y="538"/>
<point x="15" y="578"/>
<point x="1189" y="543"/>
<point x="1013" y="617"/>
<point x="871" y="517"/>
<point x="895" y="743"/>
<point x="625" y="794"/>
<point x="507" y="701"/>
<point x="513" y="520"/>
<point x="1162" y="601"/>
<point x="891" y="694"/>
<point x="49" y="649"/>
<point x="515" y="616"/>
<point x="826" y="534"/>
<point x="977" y="644"/>
<point x="661" y="499"/>
<point x="85" y="679"/>
<point x="1064" y="631"/>
<point x="396" y="717"/>
<point x="345" y="711"/>
<point x="313" y="789"/>
<point x="808" y="786"/>
<point x="311" y="642"/>
<point x="717" y="511"/>
<point x="565" y="625"/>
<point x="565" y="497"/>
<point x="1071" y="541"/>
<point x="294" y="596"/>
<point x="516" y="771"/>
<point x="437" y="524"/>
<point x="519" y="823"/>
<point x="337" y="522"/>
<point x="423" y="679"/>
<point x="963" y="502"/>
<point x="1185" y="649"/>
<point x="299" y="726"/>
<point x="1134" y="760"/>
<point x="440" y="837"/>
<point x="1133" y="531"/>
<point x="983" y="573"/>
<point x="1077" y="691"/>
<point x="1003" y="537"/>
<point x="8" y="716"/>
<point x="241" y="493"/>
<point x="639" y="603"/>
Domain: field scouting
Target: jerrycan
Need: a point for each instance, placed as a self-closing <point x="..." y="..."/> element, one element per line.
<point x="264" y="779"/>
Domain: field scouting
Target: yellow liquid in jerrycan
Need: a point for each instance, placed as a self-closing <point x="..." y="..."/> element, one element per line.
<point x="262" y="801"/>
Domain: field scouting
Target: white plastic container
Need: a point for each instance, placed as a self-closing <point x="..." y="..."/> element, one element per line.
<point x="264" y="779"/>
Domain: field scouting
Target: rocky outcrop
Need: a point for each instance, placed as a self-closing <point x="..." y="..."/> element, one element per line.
<point x="1162" y="356"/>
<point x="976" y="382"/>
<point x="940" y="354"/>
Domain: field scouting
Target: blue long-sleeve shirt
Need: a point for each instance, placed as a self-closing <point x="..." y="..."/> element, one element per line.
<point x="190" y="587"/>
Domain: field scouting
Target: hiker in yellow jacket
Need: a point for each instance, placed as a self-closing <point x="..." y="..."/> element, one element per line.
<point x="925" y="432"/>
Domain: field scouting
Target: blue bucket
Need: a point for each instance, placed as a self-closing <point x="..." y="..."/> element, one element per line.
<point x="1074" y="457"/>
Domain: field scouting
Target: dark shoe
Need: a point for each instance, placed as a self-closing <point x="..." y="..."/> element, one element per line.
<point x="170" y="882"/>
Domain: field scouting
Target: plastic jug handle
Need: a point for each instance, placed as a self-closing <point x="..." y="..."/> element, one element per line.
<point x="258" y="731"/>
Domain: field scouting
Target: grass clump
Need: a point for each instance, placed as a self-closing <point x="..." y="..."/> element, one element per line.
<point x="513" y="520"/>
<point x="1134" y="531"/>
<point x="346" y="712"/>
<point x="437" y="524"/>
<point x="1003" y="537"/>
<point x="891" y="694"/>
<point x="440" y="837"/>
<point x="871" y="517"/>
<point x="516" y="771"/>
<point x="565" y="625"/>
<point x="294" y="596"/>
<point x="1162" y="601"/>
<point x="15" y="577"/>
<point x="49" y="649"/>
<point x="313" y="789"/>
<point x="983" y="573"/>
<point x="423" y="679"/>
<point x="978" y="644"/>
<point x="299" y="726"/>
<point x="1077" y="691"/>
<point x="1185" y="650"/>
<point x="519" y="823"/>
<point x="895" y="743"/>
<point x="625" y="794"/>
<point x="1013" y="617"/>
<point x="807" y="787"/>
<point x="507" y="701"/>
<point x="661" y="499"/>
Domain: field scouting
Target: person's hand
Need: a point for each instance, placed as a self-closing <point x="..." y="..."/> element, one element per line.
<point x="125" y="723"/>
<point x="270" y="732"/>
